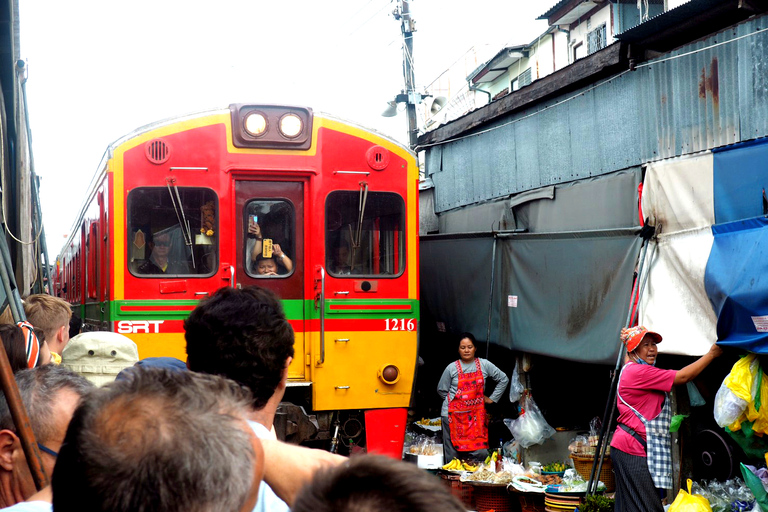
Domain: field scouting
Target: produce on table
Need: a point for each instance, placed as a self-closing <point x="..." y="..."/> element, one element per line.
<point x="431" y="423"/>
<point x="554" y="467"/>
<point x="457" y="465"/>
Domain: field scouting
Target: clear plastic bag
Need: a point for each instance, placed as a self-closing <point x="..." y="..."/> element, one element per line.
<point x="530" y="427"/>
<point x="515" y="387"/>
<point x="579" y="444"/>
<point x="728" y="407"/>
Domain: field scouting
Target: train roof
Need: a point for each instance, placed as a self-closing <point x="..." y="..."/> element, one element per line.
<point x="101" y="169"/>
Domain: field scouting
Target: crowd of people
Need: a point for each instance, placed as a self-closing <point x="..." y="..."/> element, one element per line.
<point x="167" y="435"/>
<point x="121" y="434"/>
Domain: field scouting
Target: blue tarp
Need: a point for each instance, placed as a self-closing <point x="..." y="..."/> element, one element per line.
<point x="740" y="174"/>
<point x="736" y="281"/>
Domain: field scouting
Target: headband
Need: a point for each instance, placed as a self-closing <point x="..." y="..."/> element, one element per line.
<point x="31" y="342"/>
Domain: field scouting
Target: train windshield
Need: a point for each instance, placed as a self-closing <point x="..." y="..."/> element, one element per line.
<point x="270" y="243"/>
<point x="365" y="233"/>
<point x="172" y="231"/>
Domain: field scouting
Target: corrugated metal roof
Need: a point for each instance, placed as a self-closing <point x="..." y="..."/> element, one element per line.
<point x="698" y="97"/>
<point x="689" y="21"/>
<point x="553" y="9"/>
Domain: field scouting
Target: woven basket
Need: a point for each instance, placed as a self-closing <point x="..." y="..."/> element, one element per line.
<point x="583" y="466"/>
<point x="494" y="498"/>
<point x="464" y="492"/>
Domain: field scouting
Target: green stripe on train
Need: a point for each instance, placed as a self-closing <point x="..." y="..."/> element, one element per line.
<point x="293" y="309"/>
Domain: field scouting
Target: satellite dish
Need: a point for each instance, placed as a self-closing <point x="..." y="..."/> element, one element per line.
<point x="437" y="104"/>
<point x="391" y="110"/>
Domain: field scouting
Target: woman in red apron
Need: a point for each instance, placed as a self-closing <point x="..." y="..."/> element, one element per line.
<point x="462" y="387"/>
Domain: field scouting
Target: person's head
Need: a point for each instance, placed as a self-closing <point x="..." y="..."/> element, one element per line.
<point x="50" y="394"/>
<point x="160" y="440"/>
<point x="51" y="314"/>
<point x="266" y="266"/>
<point x="23" y="347"/>
<point x="467" y="347"/>
<point x="374" y="483"/>
<point x="242" y="335"/>
<point x="641" y="344"/>
<point x="100" y="355"/>
<point x="341" y="255"/>
<point x="75" y="326"/>
<point x="160" y="245"/>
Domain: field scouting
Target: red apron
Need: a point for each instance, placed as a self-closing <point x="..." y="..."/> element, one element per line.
<point x="466" y="412"/>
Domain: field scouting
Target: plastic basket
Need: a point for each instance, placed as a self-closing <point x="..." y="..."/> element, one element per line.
<point x="495" y="498"/>
<point x="583" y="466"/>
<point x="464" y="492"/>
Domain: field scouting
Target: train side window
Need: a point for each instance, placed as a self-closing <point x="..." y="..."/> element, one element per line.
<point x="364" y="234"/>
<point x="172" y="232"/>
<point x="270" y="238"/>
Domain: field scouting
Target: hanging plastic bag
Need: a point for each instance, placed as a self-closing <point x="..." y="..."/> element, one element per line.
<point x="694" y="397"/>
<point x="530" y="427"/>
<point x="515" y="387"/>
<point x="741" y="380"/>
<point x="687" y="502"/>
<point x="735" y="393"/>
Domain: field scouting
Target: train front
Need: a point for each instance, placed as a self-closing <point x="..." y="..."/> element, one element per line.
<point x="321" y="211"/>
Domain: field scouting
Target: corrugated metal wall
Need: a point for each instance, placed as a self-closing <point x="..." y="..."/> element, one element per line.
<point x="704" y="95"/>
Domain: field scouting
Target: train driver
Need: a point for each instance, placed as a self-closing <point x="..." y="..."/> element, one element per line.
<point x="159" y="262"/>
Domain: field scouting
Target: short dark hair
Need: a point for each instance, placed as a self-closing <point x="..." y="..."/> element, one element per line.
<point x="469" y="336"/>
<point x="242" y="335"/>
<point x="38" y="388"/>
<point x="157" y="440"/>
<point x="15" y="346"/>
<point x="371" y="483"/>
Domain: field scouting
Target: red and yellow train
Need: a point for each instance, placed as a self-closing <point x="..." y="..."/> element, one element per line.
<point x="183" y="207"/>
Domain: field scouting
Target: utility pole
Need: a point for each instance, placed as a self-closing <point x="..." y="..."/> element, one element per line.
<point x="408" y="27"/>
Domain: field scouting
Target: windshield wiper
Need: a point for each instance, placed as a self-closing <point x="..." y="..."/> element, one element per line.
<point x="181" y="216"/>
<point x="357" y="242"/>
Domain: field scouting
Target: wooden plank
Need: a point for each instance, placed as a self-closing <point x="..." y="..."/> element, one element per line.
<point x="607" y="61"/>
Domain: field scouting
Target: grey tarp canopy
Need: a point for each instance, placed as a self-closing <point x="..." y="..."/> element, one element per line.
<point x="561" y="289"/>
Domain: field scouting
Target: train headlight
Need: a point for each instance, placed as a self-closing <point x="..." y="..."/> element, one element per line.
<point x="255" y="124"/>
<point x="389" y="374"/>
<point x="291" y="126"/>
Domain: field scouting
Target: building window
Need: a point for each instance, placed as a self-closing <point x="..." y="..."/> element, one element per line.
<point x="579" y="51"/>
<point x="596" y="39"/>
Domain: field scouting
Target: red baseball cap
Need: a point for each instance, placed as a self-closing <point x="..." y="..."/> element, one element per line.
<point x="634" y="335"/>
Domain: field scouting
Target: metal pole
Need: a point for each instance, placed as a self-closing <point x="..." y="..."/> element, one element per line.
<point x="407" y="27"/>
<point x="490" y="301"/>
<point x="9" y="282"/>
<point x="610" y="406"/>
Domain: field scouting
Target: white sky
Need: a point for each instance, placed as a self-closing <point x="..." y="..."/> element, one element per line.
<point x="98" y="69"/>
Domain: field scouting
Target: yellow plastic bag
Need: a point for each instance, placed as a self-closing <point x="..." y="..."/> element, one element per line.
<point x="742" y="377"/>
<point x="687" y="502"/>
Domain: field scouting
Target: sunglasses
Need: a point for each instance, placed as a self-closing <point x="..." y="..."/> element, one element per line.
<point x="163" y="244"/>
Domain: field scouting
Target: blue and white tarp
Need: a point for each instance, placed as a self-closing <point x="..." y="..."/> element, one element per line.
<point x="705" y="276"/>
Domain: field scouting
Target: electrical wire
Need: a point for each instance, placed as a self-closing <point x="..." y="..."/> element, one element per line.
<point x="582" y="93"/>
<point x="369" y="19"/>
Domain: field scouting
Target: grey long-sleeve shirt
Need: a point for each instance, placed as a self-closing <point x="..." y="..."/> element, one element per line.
<point x="449" y="382"/>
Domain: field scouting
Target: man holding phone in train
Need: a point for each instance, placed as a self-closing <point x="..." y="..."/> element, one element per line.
<point x="265" y="262"/>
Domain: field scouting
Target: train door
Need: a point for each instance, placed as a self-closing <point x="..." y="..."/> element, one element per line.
<point x="270" y="249"/>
